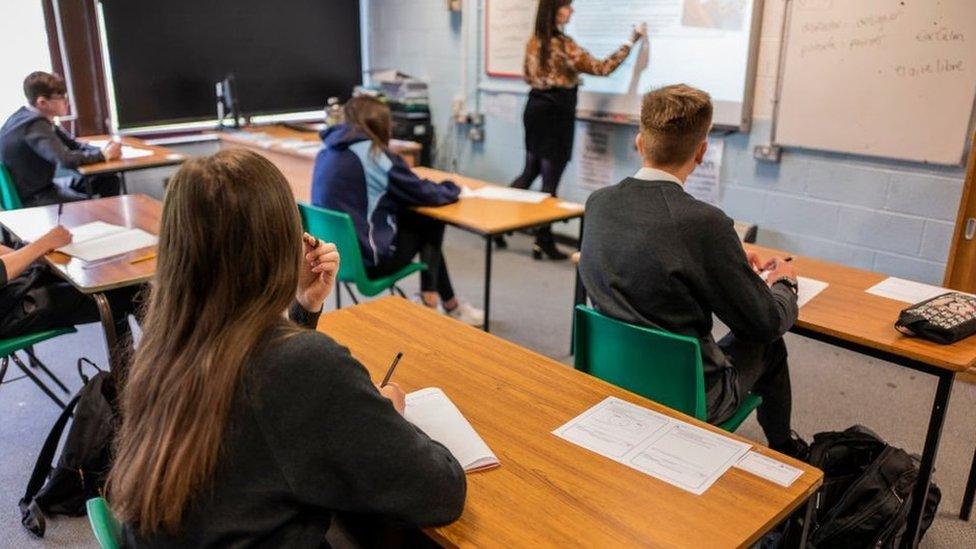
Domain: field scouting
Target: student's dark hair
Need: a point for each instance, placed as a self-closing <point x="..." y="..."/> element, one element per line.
<point x="372" y="117"/>
<point x="674" y="121"/>
<point x="43" y="84"/>
<point x="229" y="256"/>
<point x="546" y="28"/>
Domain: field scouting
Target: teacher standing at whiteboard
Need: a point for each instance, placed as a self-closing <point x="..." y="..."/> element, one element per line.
<point x="553" y="63"/>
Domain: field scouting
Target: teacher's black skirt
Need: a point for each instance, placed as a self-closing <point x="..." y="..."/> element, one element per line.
<point x="550" y="123"/>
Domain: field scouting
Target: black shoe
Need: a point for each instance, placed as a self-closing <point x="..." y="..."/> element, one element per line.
<point x="549" y="249"/>
<point x="500" y="242"/>
<point x="796" y="447"/>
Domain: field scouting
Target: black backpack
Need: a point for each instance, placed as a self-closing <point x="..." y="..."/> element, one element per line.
<point x="866" y="494"/>
<point x="85" y="459"/>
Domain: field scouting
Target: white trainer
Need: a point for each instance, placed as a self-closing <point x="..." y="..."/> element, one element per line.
<point x="468" y="314"/>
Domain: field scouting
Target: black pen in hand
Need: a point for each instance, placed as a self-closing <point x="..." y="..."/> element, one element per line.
<point x="389" y="373"/>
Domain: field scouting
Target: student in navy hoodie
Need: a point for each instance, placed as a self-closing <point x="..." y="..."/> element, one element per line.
<point x="32" y="146"/>
<point x="356" y="173"/>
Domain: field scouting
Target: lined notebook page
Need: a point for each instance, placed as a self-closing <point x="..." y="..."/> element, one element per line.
<point x="100" y="240"/>
<point x="435" y="414"/>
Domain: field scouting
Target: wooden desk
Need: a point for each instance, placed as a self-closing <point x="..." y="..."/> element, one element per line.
<point x="549" y="492"/>
<point x="846" y="316"/>
<point x="296" y="163"/>
<point x="161" y="156"/>
<point x="98" y="277"/>
<point x="489" y="218"/>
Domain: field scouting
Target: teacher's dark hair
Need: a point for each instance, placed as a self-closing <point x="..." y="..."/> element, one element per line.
<point x="546" y="28"/>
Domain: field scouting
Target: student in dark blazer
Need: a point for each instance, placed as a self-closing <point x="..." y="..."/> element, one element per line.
<point x="32" y="299"/>
<point x="243" y="426"/>
<point x="653" y="255"/>
<point x="32" y="147"/>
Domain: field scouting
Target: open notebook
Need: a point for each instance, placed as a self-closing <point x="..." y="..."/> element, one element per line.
<point x="100" y="240"/>
<point x="128" y="152"/>
<point x="435" y="414"/>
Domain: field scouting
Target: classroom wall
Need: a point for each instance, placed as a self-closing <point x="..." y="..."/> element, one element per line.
<point x="891" y="216"/>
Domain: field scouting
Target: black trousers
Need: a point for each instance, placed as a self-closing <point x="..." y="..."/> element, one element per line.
<point x="101" y="185"/>
<point x="51" y="303"/>
<point x="418" y="234"/>
<point x="551" y="172"/>
<point x="762" y="370"/>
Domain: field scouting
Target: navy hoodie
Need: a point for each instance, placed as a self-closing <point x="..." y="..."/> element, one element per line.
<point x="372" y="188"/>
<point x="31" y="147"/>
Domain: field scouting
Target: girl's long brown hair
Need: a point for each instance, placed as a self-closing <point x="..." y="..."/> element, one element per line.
<point x="229" y="254"/>
<point x="372" y="117"/>
<point x="546" y="28"/>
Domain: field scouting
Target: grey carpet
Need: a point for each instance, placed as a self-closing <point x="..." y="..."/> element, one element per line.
<point x="531" y="306"/>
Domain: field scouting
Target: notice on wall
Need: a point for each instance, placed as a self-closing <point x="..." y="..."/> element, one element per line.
<point x="506" y="107"/>
<point x="703" y="183"/>
<point x="595" y="159"/>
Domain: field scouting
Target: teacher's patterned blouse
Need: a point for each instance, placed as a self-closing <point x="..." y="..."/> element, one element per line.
<point x="566" y="61"/>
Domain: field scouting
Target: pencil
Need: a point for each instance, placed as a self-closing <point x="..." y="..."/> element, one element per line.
<point x="141" y="259"/>
<point x="60" y="209"/>
<point x="389" y="373"/>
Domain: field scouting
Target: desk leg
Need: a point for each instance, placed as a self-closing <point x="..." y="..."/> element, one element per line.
<point x="967" y="500"/>
<point x="488" y="245"/>
<point x="936" y="421"/>
<point x="579" y="296"/>
<point x="124" y="187"/>
<point x="807" y="518"/>
<point x="108" y="325"/>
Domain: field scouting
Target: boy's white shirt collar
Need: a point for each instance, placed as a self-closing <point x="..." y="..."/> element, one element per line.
<point x="654" y="174"/>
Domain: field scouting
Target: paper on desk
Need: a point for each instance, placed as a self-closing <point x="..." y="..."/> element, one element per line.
<point x="807" y="288"/>
<point x="681" y="454"/>
<point x="495" y="192"/>
<point x="905" y="290"/>
<point x="569" y="205"/>
<point x="100" y="240"/>
<point x="770" y="469"/>
<point x="128" y="152"/>
<point x="438" y="417"/>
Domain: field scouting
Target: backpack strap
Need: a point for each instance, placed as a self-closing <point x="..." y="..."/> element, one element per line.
<point x="43" y="466"/>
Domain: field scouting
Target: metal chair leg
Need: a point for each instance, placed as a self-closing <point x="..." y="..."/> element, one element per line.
<point x="37" y="381"/>
<point x="352" y="294"/>
<point x="36" y="362"/>
<point x="399" y="291"/>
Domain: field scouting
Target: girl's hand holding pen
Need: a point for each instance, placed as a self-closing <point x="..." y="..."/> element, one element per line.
<point x="320" y="266"/>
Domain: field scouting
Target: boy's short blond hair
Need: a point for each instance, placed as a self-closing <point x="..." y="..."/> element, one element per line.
<point x="674" y="121"/>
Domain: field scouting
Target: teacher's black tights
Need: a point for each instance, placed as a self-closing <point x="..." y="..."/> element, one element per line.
<point x="551" y="172"/>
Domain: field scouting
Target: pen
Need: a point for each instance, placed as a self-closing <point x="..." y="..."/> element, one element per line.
<point x="389" y="373"/>
<point x="60" y="209"/>
<point x="141" y="259"/>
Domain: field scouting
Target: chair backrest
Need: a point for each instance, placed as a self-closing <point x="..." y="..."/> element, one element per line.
<point x="664" y="367"/>
<point x="9" y="197"/>
<point x="336" y="227"/>
<point x="107" y="530"/>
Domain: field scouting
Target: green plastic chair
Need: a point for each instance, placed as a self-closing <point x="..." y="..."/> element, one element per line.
<point x="107" y="530"/>
<point x="664" y="367"/>
<point x="9" y="348"/>
<point x="9" y="197"/>
<point x="337" y="227"/>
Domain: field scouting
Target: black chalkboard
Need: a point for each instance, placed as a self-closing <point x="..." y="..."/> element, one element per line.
<point x="286" y="55"/>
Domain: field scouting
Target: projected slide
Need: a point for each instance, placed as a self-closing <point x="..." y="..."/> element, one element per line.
<point x="703" y="43"/>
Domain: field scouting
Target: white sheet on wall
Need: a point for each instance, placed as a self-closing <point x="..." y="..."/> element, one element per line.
<point x="704" y="182"/>
<point x="595" y="160"/>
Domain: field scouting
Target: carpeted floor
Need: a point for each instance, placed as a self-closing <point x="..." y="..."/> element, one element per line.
<point x="531" y="306"/>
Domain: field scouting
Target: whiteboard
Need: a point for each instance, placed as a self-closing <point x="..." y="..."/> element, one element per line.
<point x="887" y="78"/>
<point x="709" y="44"/>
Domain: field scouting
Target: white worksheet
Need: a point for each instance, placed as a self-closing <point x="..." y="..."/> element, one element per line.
<point x="808" y="289"/>
<point x="770" y="469"/>
<point x="905" y="290"/>
<point x="128" y="152"/>
<point x="100" y="240"/>
<point x="433" y="412"/>
<point x="508" y="194"/>
<point x="665" y="448"/>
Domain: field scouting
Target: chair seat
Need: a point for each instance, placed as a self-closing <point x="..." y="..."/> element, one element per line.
<point x="14" y="344"/>
<point x="750" y="403"/>
<point x="104" y="525"/>
<point x="373" y="286"/>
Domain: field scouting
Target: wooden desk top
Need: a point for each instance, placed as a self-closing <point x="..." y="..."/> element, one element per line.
<point x="161" y="157"/>
<point x="845" y="311"/>
<point x="279" y="132"/>
<point x="491" y="217"/>
<point x="549" y="492"/>
<point x="134" y="210"/>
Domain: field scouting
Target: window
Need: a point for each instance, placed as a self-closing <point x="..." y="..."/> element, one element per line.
<point x="24" y="32"/>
